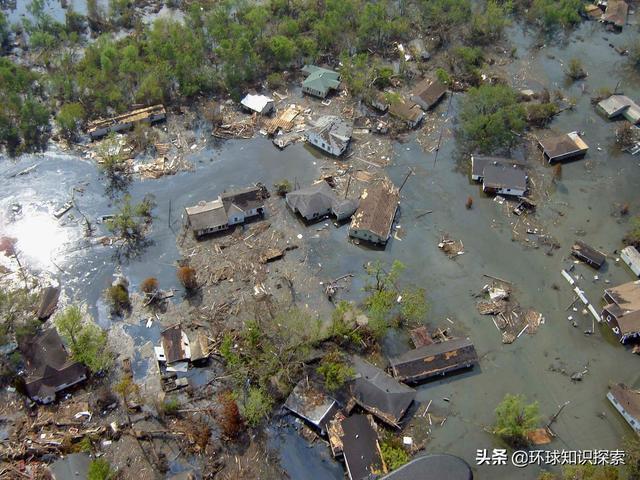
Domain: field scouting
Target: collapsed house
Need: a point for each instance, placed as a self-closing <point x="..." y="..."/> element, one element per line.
<point x="49" y="369"/>
<point x="360" y="447"/>
<point x="311" y="404"/>
<point x="127" y="121"/>
<point x="428" y="93"/>
<point x="622" y="311"/>
<point x="589" y="255"/>
<point x="378" y="100"/>
<point x="373" y="220"/>
<point x="258" y="103"/>
<point x="436" y="359"/>
<point x="563" y="147"/>
<point x="318" y="200"/>
<point x="407" y="111"/>
<point x="620" y="105"/>
<point x="320" y="81"/>
<point x="432" y="467"/>
<point x="616" y="14"/>
<point x="631" y="257"/>
<point x="627" y="402"/>
<point x="174" y="346"/>
<point x="230" y="208"/>
<point x="331" y="134"/>
<point x="379" y="393"/>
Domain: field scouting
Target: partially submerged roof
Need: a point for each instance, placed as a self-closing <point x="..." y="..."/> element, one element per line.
<point x="359" y="447"/>
<point x="207" y="215"/>
<point x="310" y="403"/>
<point x="587" y="253"/>
<point x="629" y="323"/>
<point x="433" y="467"/>
<point x="430" y="92"/>
<point x="406" y="110"/>
<point x="631" y="257"/>
<point x="504" y="177"/>
<point x="616" y="13"/>
<point x="71" y="467"/>
<point x="478" y="162"/>
<point x="257" y="103"/>
<point x="245" y="199"/>
<point x="316" y="198"/>
<point x="378" y="205"/>
<point x="626" y="296"/>
<point x="563" y="146"/>
<point x="334" y="131"/>
<point x="615" y="105"/>
<point x="379" y="393"/>
<point x="627" y="398"/>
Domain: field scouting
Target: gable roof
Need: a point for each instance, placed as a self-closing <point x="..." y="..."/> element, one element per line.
<point x="207" y="215"/>
<point x="359" y="447"/>
<point x="257" y="103"/>
<point x="478" y="162"/>
<point x="379" y="393"/>
<point x="333" y="130"/>
<point x="171" y="339"/>
<point x="629" y="399"/>
<point x="245" y="199"/>
<point x="430" y="92"/>
<point x="626" y="296"/>
<point x="616" y="13"/>
<point x="563" y="145"/>
<point x="502" y="176"/>
<point x="316" y="198"/>
<point x="378" y="205"/>
<point x="406" y="110"/>
<point x="615" y="105"/>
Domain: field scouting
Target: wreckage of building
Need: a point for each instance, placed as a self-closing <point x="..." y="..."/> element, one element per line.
<point x="432" y="360"/>
<point x="378" y="100"/>
<point x="374" y="218"/>
<point x="627" y="402"/>
<point x="379" y="393"/>
<point x="310" y="403"/>
<point x="175" y="345"/>
<point x="360" y="447"/>
<point x="563" y="147"/>
<point x="47" y="302"/>
<point x="331" y="134"/>
<point x="258" y="103"/>
<point x="319" y="200"/>
<point x="230" y="208"/>
<point x="589" y="255"/>
<point x="127" y="121"/>
<point x="428" y="93"/>
<point x="622" y="311"/>
<point x="407" y="111"/>
<point x="616" y="14"/>
<point x="631" y="257"/>
<point x="432" y="467"/>
<point x="320" y="81"/>
<point x="49" y="369"/>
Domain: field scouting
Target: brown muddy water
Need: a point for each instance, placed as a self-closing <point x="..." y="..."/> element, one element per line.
<point x="586" y="196"/>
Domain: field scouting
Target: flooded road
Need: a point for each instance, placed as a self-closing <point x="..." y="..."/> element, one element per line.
<point x="585" y="196"/>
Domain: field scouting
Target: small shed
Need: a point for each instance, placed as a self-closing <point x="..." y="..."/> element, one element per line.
<point x="258" y="103"/>
<point x="631" y="257"/>
<point x="592" y="257"/>
<point x="563" y="147"/>
<point x="311" y="404"/>
<point x="428" y="93"/>
<point x="504" y="180"/>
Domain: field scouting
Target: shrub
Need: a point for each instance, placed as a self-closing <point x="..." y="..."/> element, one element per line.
<point x="275" y="80"/>
<point x="443" y="76"/>
<point x="283" y="187"/>
<point x="187" y="277"/>
<point x="633" y="235"/>
<point x="634" y="54"/>
<point x="393" y="453"/>
<point x="118" y="298"/>
<point x="540" y="114"/>
<point x="335" y="371"/>
<point x="229" y="418"/>
<point x="100" y="469"/>
<point x="69" y="118"/>
<point x="469" y="203"/>
<point x="149" y="285"/>
<point x="515" y="419"/>
<point x="256" y="406"/>
<point x="171" y="406"/>
<point x="554" y="14"/>
<point x="575" y="70"/>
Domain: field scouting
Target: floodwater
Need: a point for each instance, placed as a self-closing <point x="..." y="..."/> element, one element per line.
<point x="586" y="196"/>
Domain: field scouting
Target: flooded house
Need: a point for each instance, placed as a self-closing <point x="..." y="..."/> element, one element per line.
<point x="432" y="467"/>
<point x="627" y="402"/>
<point x="175" y="346"/>
<point x="622" y="311"/>
<point x="563" y="147"/>
<point x="230" y="208"/>
<point x="310" y="403"/>
<point x="499" y="175"/>
<point x="127" y="121"/>
<point x="589" y="255"/>
<point x="49" y="369"/>
<point x="379" y="393"/>
<point x="479" y="162"/>
<point x="360" y="447"/>
<point x="319" y="200"/>
<point x="619" y="105"/>
<point x="258" y="103"/>
<point x="320" y="81"/>
<point x="428" y="93"/>
<point x="331" y="134"/>
<point x="407" y="111"/>
<point x="631" y="257"/>
<point x="432" y="360"/>
<point x="616" y="14"/>
<point x="374" y="218"/>
<point x="69" y="467"/>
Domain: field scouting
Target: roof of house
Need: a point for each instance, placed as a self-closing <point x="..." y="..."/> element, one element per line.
<point x="359" y="447"/>
<point x="378" y="205"/>
<point x="207" y="215"/>
<point x="629" y="399"/>
<point x="626" y="296"/>
<point x="344" y="208"/>
<point x="503" y="176"/>
<point x="171" y="339"/>
<point x="616" y="13"/>
<point x="245" y="199"/>
<point x="316" y="198"/>
<point x="71" y="467"/>
<point x="615" y="105"/>
<point x="48" y="302"/>
<point x="432" y="467"/>
<point x="257" y="103"/>
<point x="406" y="110"/>
<point x="319" y="78"/>
<point x="380" y="393"/>
<point x="630" y="255"/>
<point x="563" y="145"/>
<point x="582" y="250"/>
<point x="478" y="162"/>
<point x="48" y="365"/>
<point x="632" y="113"/>
<point x="430" y="91"/>
<point x="309" y="402"/>
<point x="629" y="323"/>
<point x="333" y="130"/>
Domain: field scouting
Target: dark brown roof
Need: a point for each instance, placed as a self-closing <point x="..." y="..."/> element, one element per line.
<point x="563" y="145"/>
<point x="378" y="205"/>
<point x="360" y="447"/>
<point x="627" y="398"/>
<point x="629" y="323"/>
<point x="406" y="110"/>
<point x="172" y="344"/>
<point x="589" y="254"/>
<point x="626" y="296"/>
<point x="244" y="198"/>
<point x="430" y="92"/>
<point x="48" y="302"/>
<point x="616" y="13"/>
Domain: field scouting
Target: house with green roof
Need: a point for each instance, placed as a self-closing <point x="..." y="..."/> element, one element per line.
<point x="319" y="81"/>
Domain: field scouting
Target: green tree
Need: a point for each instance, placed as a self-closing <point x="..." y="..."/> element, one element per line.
<point x="633" y="235"/>
<point x="443" y="16"/>
<point x="393" y="453"/>
<point x="632" y="460"/>
<point x="515" y="419"/>
<point x="488" y="25"/>
<point x="554" y="14"/>
<point x="4" y="30"/>
<point x="100" y="469"/>
<point x="335" y="370"/>
<point x="69" y="118"/>
<point x="256" y="406"/>
<point x="283" y="50"/>
<point x="413" y="305"/>
<point x="130" y="221"/>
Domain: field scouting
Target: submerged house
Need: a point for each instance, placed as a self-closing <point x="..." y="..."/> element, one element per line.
<point x="373" y="220"/>
<point x="620" y="105"/>
<point x="616" y="14"/>
<point x="622" y="311"/>
<point x="311" y="404"/>
<point x="436" y="359"/>
<point x="428" y="93"/>
<point x="317" y="201"/>
<point x="627" y="402"/>
<point x="49" y="369"/>
<point x="432" y="467"/>
<point x="360" y="447"/>
<point x="631" y="257"/>
<point x="230" y="208"/>
<point x="410" y="113"/>
<point x="379" y="393"/>
<point x="504" y="180"/>
<point x="592" y="257"/>
<point x="320" y="81"/>
<point x="258" y="103"/>
<point x="563" y="147"/>
<point x="331" y="134"/>
<point x="127" y="121"/>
